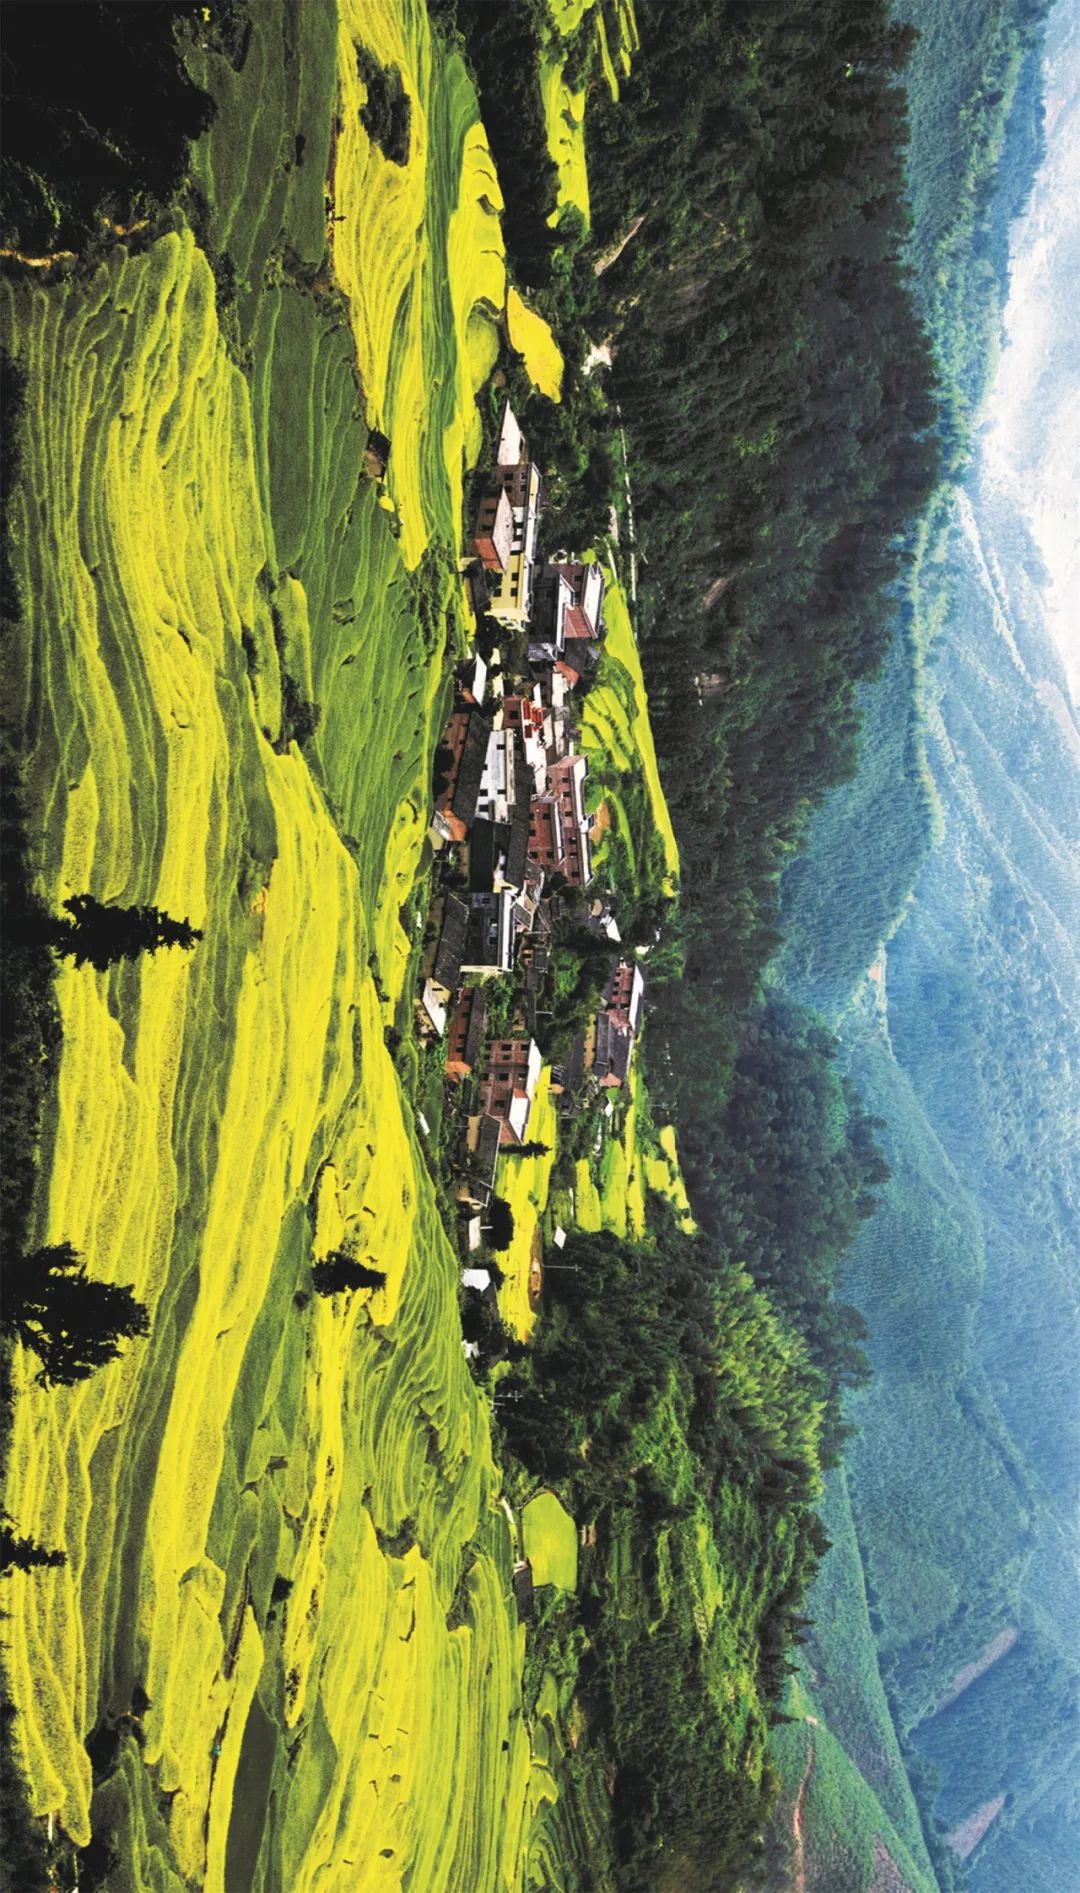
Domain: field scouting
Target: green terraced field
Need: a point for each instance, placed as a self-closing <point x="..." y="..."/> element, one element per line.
<point x="638" y="840"/>
<point x="550" y="1536"/>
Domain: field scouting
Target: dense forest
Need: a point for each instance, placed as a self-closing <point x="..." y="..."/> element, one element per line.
<point x="666" y="1396"/>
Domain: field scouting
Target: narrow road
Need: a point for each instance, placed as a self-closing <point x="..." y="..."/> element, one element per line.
<point x="797" y="1825"/>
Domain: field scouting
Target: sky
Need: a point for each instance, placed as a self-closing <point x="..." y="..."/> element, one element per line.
<point x="1031" y="433"/>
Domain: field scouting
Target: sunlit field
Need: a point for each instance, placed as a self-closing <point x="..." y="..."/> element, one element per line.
<point x="617" y="736"/>
<point x="286" y="1617"/>
<point x="280" y="1512"/>
<point x="531" y="336"/>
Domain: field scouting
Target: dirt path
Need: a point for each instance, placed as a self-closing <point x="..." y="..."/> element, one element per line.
<point x="797" y="1825"/>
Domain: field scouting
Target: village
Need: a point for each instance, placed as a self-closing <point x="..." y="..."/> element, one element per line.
<point x="518" y="915"/>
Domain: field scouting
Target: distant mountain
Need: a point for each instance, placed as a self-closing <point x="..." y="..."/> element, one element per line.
<point x="954" y="1574"/>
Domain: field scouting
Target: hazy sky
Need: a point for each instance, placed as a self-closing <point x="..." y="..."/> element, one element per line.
<point x="1032" y="415"/>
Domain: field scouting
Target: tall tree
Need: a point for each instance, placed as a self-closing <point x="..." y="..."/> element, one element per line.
<point x="73" y="1324"/>
<point x="97" y="934"/>
<point x="338" y="1272"/>
<point x="23" y="1554"/>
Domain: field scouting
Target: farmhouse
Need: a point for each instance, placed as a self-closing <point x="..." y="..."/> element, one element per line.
<point x="431" y="1011"/>
<point x="442" y="961"/>
<point x="559" y="828"/>
<point x="466" y="1038"/>
<point x="482" y="1144"/>
<point x="612" y="1051"/>
<point x="489" y="935"/>
<point x="512" y="589"/>
<point x="617" y="1025"/>
<point x="464" y="750"/>
<point x="531" y="724"/>
<point x="623" y="996"/>
<point x="472" y="680"/>
<point x="494" y="534"/>
<point x="498" y="851"/>
<point x="579" y="661"/>
<point x="600" y="918"/>
<point x="586" y="586"/>
<point x="554" y="600"/>
<point x="528" y="907"/>
<point x="510" y="562"/>
<point x="509" y="1085"/>
<point x="495" y="795"/>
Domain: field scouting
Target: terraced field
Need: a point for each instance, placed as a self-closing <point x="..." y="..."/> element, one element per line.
<point x="288" y="1582"/>
<point x="531" y="336"/>
<point x="285" y="1626"/>
<point x="617" y="737"/>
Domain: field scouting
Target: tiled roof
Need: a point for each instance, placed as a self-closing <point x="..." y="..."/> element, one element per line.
<point x="488" y="1141"/>
<point x="471" y="767"/>
<point x="518" y="843"/>
<point x="576" y="624"/>
<point x="474" y="1031"/>
<point x="447" y="967"/>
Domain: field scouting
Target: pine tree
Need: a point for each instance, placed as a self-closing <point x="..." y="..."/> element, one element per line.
<point x="22" y="1554"/>
<point x="501" y="1223"/>
<point x="97" y="934"/>
<point x="73" y="1324"/>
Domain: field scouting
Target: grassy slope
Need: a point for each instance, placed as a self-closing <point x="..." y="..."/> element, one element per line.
<point x="617" y="737"/>
<point x="341" y="1447"/>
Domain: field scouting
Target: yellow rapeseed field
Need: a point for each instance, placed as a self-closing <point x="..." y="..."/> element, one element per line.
<point x="280" y="1512"/>
<point x="534" y="342"/>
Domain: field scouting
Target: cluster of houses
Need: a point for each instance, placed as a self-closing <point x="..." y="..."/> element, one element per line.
<point x="511" y="823"/>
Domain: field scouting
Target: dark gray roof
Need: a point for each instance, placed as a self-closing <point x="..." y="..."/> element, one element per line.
<point x="474" y="1031"/>
<point x="471" y="767"/>
<point x="482" y="932"/>
<point x="572" y="1070"/>
<point x="535" y="965"/>
<point x="448" y="954"/>
<point x="613" y="1049"/>
<point x="523" y="1591"/>
<point x="479" y="585"/>
<point x="518" y="843"/>
<point x="486" y="842"/>
<point x="486" y="1154"/>
<point x="582" y="655"/>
